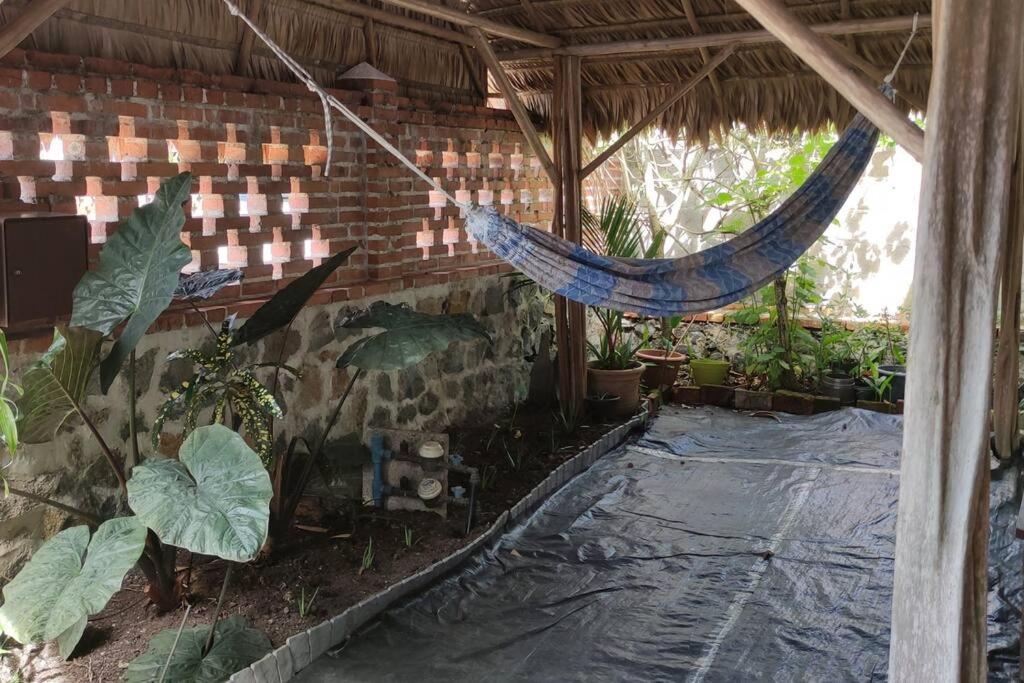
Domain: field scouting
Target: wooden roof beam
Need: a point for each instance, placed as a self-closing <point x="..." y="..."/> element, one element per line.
<point x="357" y="9"/>
<point x="647" y="120"/>
<point x="472" y="21"/>
<point x="31" y="17"/>
<point x="519" y="111"/>
<point x="822" y="57"/>
<point x="685" y="43"/>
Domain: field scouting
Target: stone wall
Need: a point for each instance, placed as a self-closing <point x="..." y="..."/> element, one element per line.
<point x="470" y="379"/>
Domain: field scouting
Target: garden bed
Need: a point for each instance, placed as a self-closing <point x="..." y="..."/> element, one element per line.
<point x="520" y="449"/>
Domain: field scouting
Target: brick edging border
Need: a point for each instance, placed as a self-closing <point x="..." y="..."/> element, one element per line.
<point x="299" y="651"/>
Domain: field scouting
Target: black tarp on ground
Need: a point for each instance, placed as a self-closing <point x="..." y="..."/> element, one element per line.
<point x="719" y="547"/>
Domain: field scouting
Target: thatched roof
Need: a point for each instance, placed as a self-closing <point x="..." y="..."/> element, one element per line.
<point x="762" y="84"/>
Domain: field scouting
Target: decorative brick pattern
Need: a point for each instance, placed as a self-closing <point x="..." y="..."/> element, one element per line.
<point x="96" y="136"/>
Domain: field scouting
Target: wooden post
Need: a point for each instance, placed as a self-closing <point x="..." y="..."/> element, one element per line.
<point x="1004" y="393"/>
<point x="939" y="592"/>
<point x="819" y="56"/>
<point x="570" y="316"/>
<point x="514" y="103"/>
<point x="640" y="125"/>
<point x="370" y="38"/>
<point x="30" y="18"/>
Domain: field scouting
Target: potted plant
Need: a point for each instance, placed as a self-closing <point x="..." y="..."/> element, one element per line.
<point x="879" y="385"/>
<point x="837" y="353"/>
<point x="659" y="354"/>
<point x="712" y="369"/>
<point x="615" y="370"/>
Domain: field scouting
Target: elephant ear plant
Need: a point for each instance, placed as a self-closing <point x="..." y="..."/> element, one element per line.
<point x="213" y="499"/>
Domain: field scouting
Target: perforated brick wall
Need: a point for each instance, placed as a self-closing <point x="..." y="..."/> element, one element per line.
<point x="95" y="137"/>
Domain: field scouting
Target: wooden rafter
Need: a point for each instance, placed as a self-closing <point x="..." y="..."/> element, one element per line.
<point x="519" y="111"/>
<point x="479" y="85"/>
<point x="469" y="20"/>
<point x="691" y="17"/>
<point x="682" y="44"/>
<point x="370" y="38"/>
<point x="822" y="57"/>
<point x="658" y="111"/>
<point x="875" y="73"/>
<point x="366" y="12"/>
<point x="244" y="53"/>
<point x="30" y="18"/>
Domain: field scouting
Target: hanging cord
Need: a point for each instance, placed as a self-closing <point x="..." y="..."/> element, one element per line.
<point x="903" y="53"/>
<point x="329" y="100"/>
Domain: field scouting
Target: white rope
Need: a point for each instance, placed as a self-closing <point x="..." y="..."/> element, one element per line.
<point x="903" y="53"/>
<point x="328" y="99"/>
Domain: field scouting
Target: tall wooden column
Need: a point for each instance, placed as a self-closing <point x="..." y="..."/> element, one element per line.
<point x="939" y="592"/>
<point x="1004" y="394"/>
<point x="570" y="317"/>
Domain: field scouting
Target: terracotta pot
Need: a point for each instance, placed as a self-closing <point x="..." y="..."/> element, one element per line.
<point x="622" y="383"/>
<point x="661" y="368"/>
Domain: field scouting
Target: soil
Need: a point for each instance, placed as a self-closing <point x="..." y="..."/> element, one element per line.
<point x="323" y="562"/>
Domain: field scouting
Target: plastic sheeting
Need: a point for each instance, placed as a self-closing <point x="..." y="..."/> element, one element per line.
<point x="718" y="547"/>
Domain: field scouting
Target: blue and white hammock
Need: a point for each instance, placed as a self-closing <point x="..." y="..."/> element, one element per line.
<point x="656" y="287"/>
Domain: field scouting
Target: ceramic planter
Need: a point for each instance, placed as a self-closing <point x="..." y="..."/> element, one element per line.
<point x="661" y="367"/>
<point x="622" y="383"/>
<point x="709" y="371"/>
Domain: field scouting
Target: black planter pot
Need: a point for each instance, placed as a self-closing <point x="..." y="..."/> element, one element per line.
<point x="842" y="368"/>
<point x="840" y="386"/>
<point x="602" y="407"/>
<point x="863" y="391"/>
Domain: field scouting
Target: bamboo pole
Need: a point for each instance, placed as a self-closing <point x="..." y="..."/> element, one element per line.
<point x="658" y="111"/>
<point x="755" y="37"/>
<point x="30" y="18"/>
<point x="940" y="582"/>
<point x="822" y="58"/>
<point x="461" y="18"/>
<point x="514" y="103"/>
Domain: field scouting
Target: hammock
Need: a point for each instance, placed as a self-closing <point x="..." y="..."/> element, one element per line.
<point x="699" y="282"/>
<point x="656" y="287"/>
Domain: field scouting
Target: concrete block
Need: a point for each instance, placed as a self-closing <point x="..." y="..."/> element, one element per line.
<point x="299" y="646"/>
<point x="265" y="670"/>
<point x="320" y="639"/>
<point x="285" y="668"/>
<point x="244" y="676"/>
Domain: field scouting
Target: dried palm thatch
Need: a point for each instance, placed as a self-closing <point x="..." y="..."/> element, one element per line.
<point x="762" y="85"/>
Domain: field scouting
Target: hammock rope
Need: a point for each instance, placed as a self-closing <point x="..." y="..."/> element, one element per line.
<point x="697" y="282"/>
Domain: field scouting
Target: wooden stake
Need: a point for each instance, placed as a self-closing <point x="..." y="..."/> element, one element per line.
<point x="31" y="17"/>
<point x="822" y="58"/>
<point x="940" y="582"/>
<point x="658" y="111"/>
<point x="514" y="103"/>
<point x="463" y="19"/>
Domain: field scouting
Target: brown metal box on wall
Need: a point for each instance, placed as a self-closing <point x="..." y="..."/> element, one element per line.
<point x="42" y="258"/>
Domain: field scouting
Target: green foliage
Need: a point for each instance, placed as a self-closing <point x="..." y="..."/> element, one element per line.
<point x="288" y="302"/>
<point x="879" y="383"/>
<point x="367" y="562"/>
<point x="306" y="605"/>
<point x="218" y="380"/>
<point x="408" y="336"/>
<point x="69" y="578"/>
<point x="235" y="646"/>
<point x="489" y="475"/>
<point x="9" y="395"/>
<point x="137" y="274"/>
<point x="619" y="231"/>
<point x="407" y="537"/>
<point x="214" y="500"/>
<point x="55" y="385"/>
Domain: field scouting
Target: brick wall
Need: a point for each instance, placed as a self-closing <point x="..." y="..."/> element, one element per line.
<point x="95" y="137"/>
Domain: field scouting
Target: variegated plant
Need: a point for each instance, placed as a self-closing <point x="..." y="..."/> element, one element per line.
<point x="219" y="381"/>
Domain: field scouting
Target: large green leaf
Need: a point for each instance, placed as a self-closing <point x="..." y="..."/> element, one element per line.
<point x="235" y="646"/>
<point x="214" y="500"/>
<point x="68" y="579"/>
<point x="286" y="304"/>
<point x="137" y="274"/>
<point x="54" y="384"/>
<point x="409" y="336"/>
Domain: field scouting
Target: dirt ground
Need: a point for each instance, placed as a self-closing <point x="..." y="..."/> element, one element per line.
<point x="322" y="563"/>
